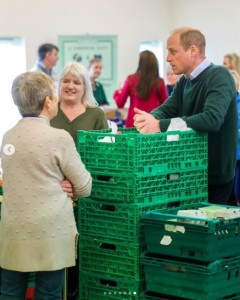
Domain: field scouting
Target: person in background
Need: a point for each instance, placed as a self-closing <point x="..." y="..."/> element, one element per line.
<point x="145" y="87"/>
<point x="38" y="231"/>
<point x="78" y="110"/>
<point x="94" y="72"/>
<point x="235" y="195"/>
<point x="232" y="62"/>
<point x="204" y="99"/>
<point x="172" y="79"/>
<point x="47" y="60"/>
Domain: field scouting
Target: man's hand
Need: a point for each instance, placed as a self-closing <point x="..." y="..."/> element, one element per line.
<point x="67" y="187"/>
<point x="145" y="122"/>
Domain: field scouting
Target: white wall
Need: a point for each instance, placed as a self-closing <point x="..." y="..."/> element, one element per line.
<point x="219" y="20"/>
<point x="131" y="20"/>
<point x="42" y="21"/>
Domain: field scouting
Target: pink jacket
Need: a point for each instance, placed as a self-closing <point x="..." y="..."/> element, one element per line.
<point x="129" y="90"/>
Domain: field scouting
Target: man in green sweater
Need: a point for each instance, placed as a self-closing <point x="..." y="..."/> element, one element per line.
<point x="205" y="99"/>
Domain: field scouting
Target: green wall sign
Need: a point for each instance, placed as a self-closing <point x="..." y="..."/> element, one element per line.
<point x="82" y="48"/>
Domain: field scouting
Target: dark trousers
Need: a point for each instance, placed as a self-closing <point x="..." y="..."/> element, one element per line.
<point x="49" y="285"/>
<point x="219" y="194"/>
<point x="72" y="281"/>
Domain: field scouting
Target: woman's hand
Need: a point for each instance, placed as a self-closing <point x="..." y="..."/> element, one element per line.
<point x="67" y="187"/>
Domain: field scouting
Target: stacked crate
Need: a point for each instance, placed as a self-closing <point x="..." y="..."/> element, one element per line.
<point x="191" y="257"/>
<point x="132" y="174"/>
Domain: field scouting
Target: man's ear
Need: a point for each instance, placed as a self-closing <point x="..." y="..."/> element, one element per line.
<point x="193" y="49"/>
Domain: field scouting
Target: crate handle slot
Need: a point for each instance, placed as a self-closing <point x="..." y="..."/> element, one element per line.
<point x="105" y="178"/>
<point x="108" y="246"/>
<point x="173" y="268"/>
<point x="173" y="138"/>
<point x="107" y="282"/>
<point x="107" y="207"/>
<point x="106" y="139"/>
<point x="173" y="176"/>
<point x="173" y="204"/>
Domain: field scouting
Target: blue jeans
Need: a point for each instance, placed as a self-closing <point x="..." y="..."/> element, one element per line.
<point x="48" y="286"/>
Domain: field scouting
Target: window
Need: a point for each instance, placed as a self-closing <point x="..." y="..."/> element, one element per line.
<point x="12" y="62"/>
<point x="157" y="48"/>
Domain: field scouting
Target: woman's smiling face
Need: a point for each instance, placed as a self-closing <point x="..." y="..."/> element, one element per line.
<point x="72" y="88"/>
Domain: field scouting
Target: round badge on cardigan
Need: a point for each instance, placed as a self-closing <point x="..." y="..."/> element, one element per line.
<point x="8" y="149"/>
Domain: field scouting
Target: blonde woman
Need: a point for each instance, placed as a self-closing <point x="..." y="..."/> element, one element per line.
<point x="78" y="109"/>
<point x="232" y="62"/>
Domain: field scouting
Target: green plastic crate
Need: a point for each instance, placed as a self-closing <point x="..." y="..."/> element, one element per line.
<point x="114" y="220"/>
<point x="210" y="240"/>
<point x="192" y="280"/>
<point x="104" y="287"/>
<point x="133" y="152"/>
<point x="157" y="296"/>
<point x="111" y="256"/>
<point x="151" y="189"/>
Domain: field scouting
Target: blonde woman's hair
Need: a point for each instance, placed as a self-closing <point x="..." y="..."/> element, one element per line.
<point x="79" y="71"/>
<point x="234" y="60"/>
<point x="236" y="78"/>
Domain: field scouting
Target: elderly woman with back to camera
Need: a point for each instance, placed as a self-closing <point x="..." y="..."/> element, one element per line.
<point x="145" y="87"/>
<point x="38" y="231"/>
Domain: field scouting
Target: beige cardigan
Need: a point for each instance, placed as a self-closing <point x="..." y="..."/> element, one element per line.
<point x="37" y="228"/>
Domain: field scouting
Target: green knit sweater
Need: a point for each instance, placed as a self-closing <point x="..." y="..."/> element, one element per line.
<point x="93" y="119"/>
<point x="208" y="104"/>
<point x="99" y="94"/>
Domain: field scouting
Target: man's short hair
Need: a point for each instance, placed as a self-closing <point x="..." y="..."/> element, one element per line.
<point x="44" y="49"/>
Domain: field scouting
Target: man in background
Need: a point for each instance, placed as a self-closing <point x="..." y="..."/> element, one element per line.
<point x="47" y="60"/>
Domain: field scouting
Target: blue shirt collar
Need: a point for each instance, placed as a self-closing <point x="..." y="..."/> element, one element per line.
<point x="203" y="65"/>
<point x="43" y="68"/>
